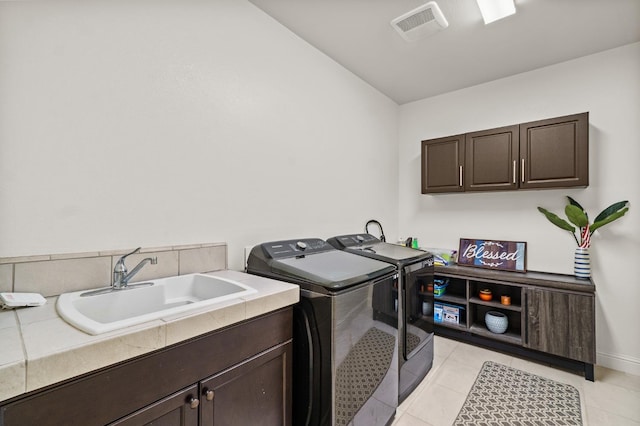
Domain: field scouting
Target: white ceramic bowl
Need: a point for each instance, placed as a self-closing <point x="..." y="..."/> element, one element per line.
<point x="497" y="322"/>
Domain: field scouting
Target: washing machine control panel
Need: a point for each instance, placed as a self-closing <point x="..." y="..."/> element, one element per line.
<point x="292" y="248"/>
<point x="356" y="240"/>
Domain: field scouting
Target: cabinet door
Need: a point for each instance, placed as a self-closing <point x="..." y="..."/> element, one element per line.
<point x="561" y="323"/>
<point x="442" y="165"/>
<point x="114" y="392"/>
<point x="256" y="392"/>
<point x="179" y="409"/>
<point x="555" y="152"/>
<point x="491" y="160"/>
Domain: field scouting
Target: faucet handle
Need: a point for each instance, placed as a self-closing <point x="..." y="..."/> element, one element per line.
<point x="133" y="252"/>
<point x="120" y="263"/>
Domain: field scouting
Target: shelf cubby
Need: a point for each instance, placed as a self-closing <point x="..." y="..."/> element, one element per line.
<point x="448" y="298"/>
<point x="509" y="336"/>
<point x="497" y="291"/>
<point x="459" y="327"/>
<point x="478" y="326"/>
<point x="495" y="305"/>
<point x="551" y="316"/>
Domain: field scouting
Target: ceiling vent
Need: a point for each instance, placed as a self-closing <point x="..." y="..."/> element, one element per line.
<point x="420" y="22"/>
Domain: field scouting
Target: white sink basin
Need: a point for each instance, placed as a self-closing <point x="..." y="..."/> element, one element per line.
<point x="99" y="313"/>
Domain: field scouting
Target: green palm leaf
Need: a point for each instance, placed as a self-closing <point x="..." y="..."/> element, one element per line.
<point x="610" y="210"/>
<point x="574" y="202"/>
<point x="608" y="219"/>
<point x="558" y="221"/>
<point x="576" y="215"/>
<point x="577" y="204"/>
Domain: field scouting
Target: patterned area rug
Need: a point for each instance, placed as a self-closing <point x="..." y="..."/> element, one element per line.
<point x="504" y="396"/>
<point x="361" y="372"/>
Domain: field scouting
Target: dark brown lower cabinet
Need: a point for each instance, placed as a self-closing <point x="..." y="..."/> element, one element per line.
<point x="240" y="375"/>
<point x="179" y="409"/>
<point x="257" y="392"/>
<point x="560" y="323"/>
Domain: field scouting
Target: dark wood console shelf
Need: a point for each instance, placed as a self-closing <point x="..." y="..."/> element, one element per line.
<point x="551" y="316"/>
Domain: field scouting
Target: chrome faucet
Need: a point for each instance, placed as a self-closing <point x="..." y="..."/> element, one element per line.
<point x="121" y="276"/>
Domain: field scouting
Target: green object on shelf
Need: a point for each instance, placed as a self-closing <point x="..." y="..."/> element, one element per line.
<point x="440" y="287"/>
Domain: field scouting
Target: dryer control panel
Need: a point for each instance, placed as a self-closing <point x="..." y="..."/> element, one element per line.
<point x="354" y="240"/>
<point x="292" y="248"/>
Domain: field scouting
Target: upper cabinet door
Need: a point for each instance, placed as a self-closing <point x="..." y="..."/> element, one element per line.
<point x="554" y="153"/>
<point x="442" y="165"/>
<point x="491" y="161"/>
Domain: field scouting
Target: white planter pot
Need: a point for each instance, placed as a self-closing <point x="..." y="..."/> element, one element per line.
<point x="582" y="263"/>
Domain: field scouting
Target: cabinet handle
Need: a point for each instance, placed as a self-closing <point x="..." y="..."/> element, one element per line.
<point x="526" y="317"/>
<point x="522" y="170"/>
<point x="460" y="176"/>
<point x="209" y="394"/>
<point x="514" y="171"/>
<point x="194" y="402"/>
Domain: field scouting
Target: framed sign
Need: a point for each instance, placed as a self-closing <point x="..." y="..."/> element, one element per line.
<point x="489" y="254"/>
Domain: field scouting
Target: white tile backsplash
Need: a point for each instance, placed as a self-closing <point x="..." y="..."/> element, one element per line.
<point x="54" y="274"/>
<point x="6" y="277"/>
<point x="58" y="276"/>
<point x="167" y="265"/>
<point x="203" y="259"/>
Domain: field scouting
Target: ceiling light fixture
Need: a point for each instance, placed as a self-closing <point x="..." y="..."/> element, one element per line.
<point x="492" y="10"/>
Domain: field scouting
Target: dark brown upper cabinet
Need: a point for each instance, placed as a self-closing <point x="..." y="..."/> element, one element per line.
<point x="491" y="159"/>
<point x="555" y="153"/>
<point x="551" y="153"/>
<point x="442" y="164"/>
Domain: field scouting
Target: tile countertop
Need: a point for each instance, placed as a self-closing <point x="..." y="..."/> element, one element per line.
<point x="39" y="348"/>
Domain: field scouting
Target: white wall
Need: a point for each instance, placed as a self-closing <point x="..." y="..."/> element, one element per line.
<point x="607" y="85"/>
<point x="162" y="122"/>
<point x="157" y="123"/>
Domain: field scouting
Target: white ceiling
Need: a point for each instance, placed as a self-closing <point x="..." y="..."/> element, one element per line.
<point x="358" y="35"/>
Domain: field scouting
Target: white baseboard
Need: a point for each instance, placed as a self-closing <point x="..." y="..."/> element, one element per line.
<point x="625" y="364"/>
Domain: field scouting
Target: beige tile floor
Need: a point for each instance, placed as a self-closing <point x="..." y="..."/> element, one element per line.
<point x="613" y="399"/>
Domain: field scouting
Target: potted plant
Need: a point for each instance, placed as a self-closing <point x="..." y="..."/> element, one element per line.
<point x="578" y="217"/>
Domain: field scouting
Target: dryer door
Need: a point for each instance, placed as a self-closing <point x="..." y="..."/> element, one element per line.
<point x="417" y="306"/>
